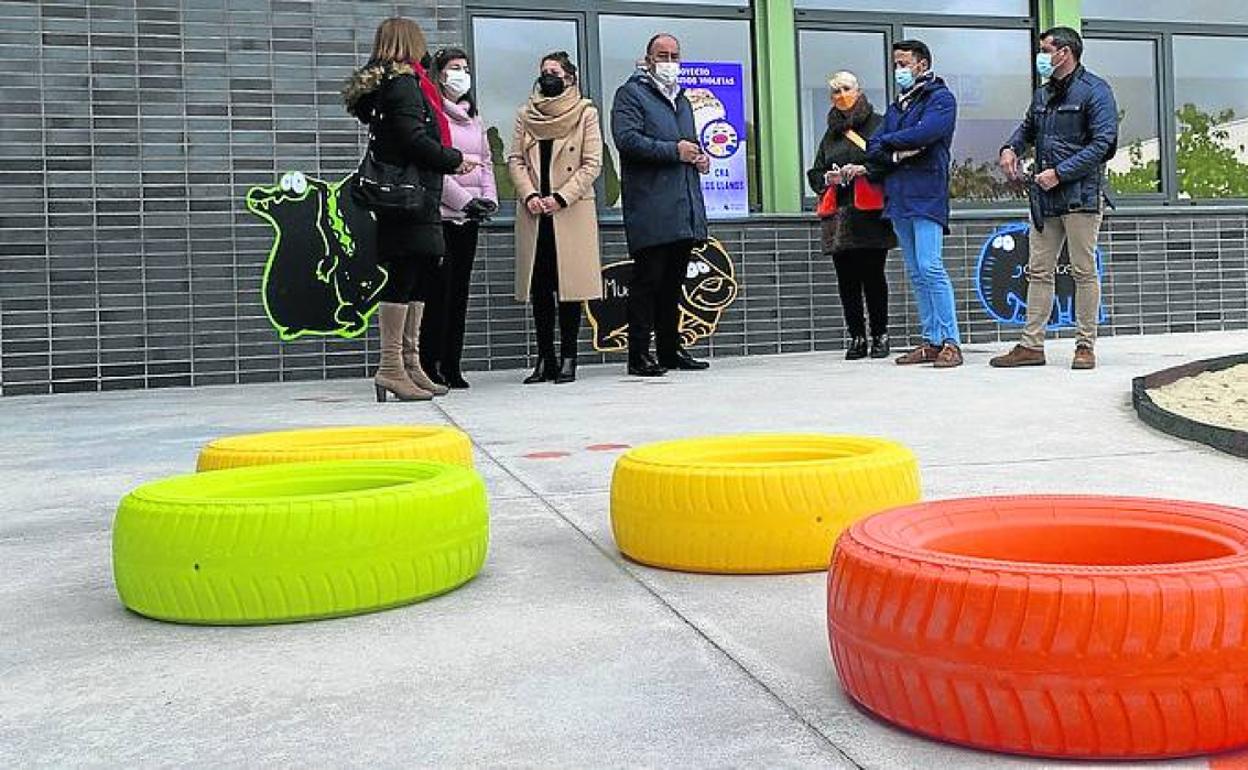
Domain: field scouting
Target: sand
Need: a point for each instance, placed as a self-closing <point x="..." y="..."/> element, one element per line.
<point x="1213" y="398"/>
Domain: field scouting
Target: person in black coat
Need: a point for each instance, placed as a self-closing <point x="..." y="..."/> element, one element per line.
<point x="661" y="161"/>
<point x="395" y="98"/>
<point x="858" y="240"/>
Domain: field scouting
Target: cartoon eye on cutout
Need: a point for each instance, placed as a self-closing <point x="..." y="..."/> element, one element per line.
<point x="703" y="268"/>
<point x="691" y="271"/>
<point x="286" y="183"/>
<point x="1009" y="243"/>
<point x="298" y="183"/>
<point x="998" y="242"/>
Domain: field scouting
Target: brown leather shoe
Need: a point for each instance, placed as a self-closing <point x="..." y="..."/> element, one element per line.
<point x="923" y="354"/>
<point x="1084" y="358"/>
<point x="950" y="355"/>
<point x="1019" y="356"/>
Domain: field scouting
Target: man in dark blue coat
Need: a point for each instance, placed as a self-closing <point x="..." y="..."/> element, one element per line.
<point x="914" y="143"/>
<point x="1073" y="124"/>
<point x="661" y="162"/>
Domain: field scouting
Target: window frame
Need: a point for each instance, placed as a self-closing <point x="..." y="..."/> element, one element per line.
<point x="893" y="26"/>
<point x="588" y="37"/>
<point x="1164" y="33"/>
<point x="1166" y="121"/>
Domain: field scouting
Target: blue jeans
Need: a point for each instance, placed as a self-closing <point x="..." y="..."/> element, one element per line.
<point x="921" y="243"/>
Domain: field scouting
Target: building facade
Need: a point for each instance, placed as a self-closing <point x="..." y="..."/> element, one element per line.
<point x="131" y="130"/>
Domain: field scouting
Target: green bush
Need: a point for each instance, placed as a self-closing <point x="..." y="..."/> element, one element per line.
<point x="1206" y="167"/>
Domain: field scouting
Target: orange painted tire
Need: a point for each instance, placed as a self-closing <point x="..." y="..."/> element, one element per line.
<point x="1091" y="627"/>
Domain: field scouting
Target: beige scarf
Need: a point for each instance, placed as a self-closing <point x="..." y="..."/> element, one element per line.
<point x="554" y="117"/>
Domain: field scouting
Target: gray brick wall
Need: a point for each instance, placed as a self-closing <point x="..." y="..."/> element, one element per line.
<point x="130" y="131"/>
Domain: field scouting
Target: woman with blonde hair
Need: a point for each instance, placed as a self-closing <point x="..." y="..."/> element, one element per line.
<point x="407" y="130"/>
<point x="556" y="154"/>
<point x="855" y="234"/>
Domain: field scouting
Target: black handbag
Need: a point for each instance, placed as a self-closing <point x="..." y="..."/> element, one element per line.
<point x="389" y="189"/>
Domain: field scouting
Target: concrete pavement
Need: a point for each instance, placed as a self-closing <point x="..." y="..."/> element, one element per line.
<point x="561" y="653"/>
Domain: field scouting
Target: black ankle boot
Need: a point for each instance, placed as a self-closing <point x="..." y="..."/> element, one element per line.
<point x="857" y="349"/>
<point x="454" y="379"/>
<point x="567" y="371"/>
<point x="545" y="371"/>
<point x="432" y="371"/>
<point x="879" y="346"/>
<point x="644" y="365"/>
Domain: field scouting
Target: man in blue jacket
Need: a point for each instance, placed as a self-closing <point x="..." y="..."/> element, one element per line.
<point x="661" y="162"/>
<point x="914" y="143"/>
<point x="1073" y="124"/>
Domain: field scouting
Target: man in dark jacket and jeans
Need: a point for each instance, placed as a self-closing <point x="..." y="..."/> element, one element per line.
<point x="1073" y="124"/>
<point x="664" y="217"/>
<point x="914" y="143"/>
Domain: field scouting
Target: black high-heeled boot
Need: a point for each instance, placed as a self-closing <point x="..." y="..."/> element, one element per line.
<point x="857" y="349"/>
<point x="545" y="371"/>
<point x="880" y="347"/>
<point x="454" y="379"/>
<point x="567" y="371"/>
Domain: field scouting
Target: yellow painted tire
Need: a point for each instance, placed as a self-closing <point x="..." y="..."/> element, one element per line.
<point x="280" y="543"/>
<point x="754" y="503"/>
<point x="436" y="443"/>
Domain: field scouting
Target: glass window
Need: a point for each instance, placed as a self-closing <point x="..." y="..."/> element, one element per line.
<point x="730" y="3"/>
<point x="1130" y="66"/>
<point x="1211" y="98"/>
<point x="944" y="7"/>
<point x="503" y="78"/>
<point x="1207" y="11"/>
<point x="820" y="54"/>
<point x="622" y="41"/>
<point x="989" y="71"/>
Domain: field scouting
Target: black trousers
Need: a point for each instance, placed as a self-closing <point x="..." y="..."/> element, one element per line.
<point x="544" y="295"/>
<point x="859" y="274"/>
<point x="446" y="308"/>
<point x="410" y="256"/>
<point x="654" y="298"/>
<point x="409" y="277"/>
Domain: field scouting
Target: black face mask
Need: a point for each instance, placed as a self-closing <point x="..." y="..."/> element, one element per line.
<point x="550" y="85"/>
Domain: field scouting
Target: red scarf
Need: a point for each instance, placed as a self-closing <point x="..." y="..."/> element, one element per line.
<point x="435" y="102"/>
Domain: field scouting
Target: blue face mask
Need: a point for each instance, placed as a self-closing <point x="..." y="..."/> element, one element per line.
<point x="1044" y="64"/>
<point x="904" y="78"/>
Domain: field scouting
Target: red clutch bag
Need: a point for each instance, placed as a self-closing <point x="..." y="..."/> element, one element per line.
<point x="868" y="196"/>
<point x="827" y="203"/>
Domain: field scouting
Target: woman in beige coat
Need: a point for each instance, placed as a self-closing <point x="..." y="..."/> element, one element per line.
<point x="555" y="157"/>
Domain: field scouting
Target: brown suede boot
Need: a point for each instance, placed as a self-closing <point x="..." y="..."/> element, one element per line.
<point x="924" y="354"/>
<point x="411" y="350"/>
<point x="950" y="355"/>
<point x="1084" y="358"/>
<point x="1018" y="356"/>
<point x="391" y="377"/>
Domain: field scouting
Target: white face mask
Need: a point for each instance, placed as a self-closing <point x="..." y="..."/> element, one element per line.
<point x="458" y="83"/>
<point x="666" y="72"/>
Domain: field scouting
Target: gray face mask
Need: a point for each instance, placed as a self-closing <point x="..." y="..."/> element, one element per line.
<point x="666" y="72"/>
<point x="458" y="83"/>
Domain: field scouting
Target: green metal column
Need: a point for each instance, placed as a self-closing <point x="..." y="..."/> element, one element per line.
<point x="777" y="133"/>
<point x="1061" y="13"/>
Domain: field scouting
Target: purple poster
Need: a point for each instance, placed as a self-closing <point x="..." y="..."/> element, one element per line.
<point x="717" y="92"/>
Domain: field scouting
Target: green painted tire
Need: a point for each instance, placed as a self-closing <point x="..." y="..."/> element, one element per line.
<point x="280" y="543"/>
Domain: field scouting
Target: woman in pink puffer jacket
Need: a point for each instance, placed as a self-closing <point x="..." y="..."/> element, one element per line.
<point x="467" y="200"/>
